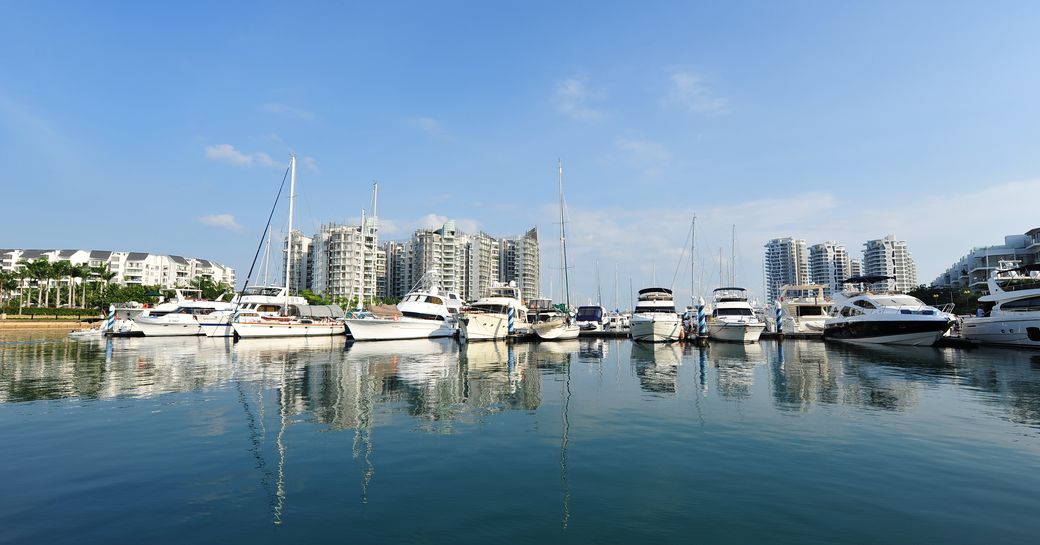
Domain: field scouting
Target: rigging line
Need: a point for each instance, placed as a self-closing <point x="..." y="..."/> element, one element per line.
<point x="261" y="245"/>
<point x="682" y="257"/>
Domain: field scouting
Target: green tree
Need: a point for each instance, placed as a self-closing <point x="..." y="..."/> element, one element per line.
<point x="209" y="288"/>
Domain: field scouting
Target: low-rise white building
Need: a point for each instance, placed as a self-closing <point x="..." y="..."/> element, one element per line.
<point x="973" y="269"/>
<point x="141" y="268"/>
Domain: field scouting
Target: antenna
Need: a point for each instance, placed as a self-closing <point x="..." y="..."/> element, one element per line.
<point x="733" y="258"/>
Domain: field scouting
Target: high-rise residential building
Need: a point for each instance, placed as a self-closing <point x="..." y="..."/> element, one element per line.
<point x="890" y="257"/>
<point x="346" y="261"/>
<point x="519" y="261"/>
<point x="829" y="266"/>
<point x="480" y="256"/>
<point x="855" y="266"/>
<point x="140" y="268"/>
<point x="786" y="262"/>
<point x="973" y="269"/>
<point x="301" y="274"/>
<point x="464" y="263"/>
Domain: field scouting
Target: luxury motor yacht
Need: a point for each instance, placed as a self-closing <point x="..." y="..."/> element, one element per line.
<point x="254" y="301"/>
<point x="1010" y="313"/>
<point x="494" y="317"/>
<point x="804" y="309"/>
<point x="884" y="318"/>
<point x="423" y="313"/>
<point x="185" y="320"/>
<point x="733" y="318"/>
<point x="655" y="319"/>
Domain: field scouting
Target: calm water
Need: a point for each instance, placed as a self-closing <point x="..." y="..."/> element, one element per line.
<point x="203" y="441"/>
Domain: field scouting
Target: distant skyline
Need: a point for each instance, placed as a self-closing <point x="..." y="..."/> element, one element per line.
<point x="166" y="128"/>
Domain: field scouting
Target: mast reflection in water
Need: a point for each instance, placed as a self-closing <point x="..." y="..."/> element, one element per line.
<point x="591" y="440"/>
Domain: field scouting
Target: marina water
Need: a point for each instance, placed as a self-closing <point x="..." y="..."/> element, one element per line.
<point x="203" y="440"/>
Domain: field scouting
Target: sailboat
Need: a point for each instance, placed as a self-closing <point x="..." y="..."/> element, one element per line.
<point x="561" y="328"/>
<point x="295" y="319"/>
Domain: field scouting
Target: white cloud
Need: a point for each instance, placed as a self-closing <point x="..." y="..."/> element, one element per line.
<point x="223" y="221"/>
<point x="430" y="126"/>
<point x="690" y="91"/>
<point x="938" y="230"/>
<point x="644" y="155"/>
<point x="288" y="112"/>
<point x="572" y="98"/>
<point x="310" y="163"/>
<point x="226" y="153"/>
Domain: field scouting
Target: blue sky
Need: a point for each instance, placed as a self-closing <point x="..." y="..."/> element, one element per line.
<point x="167" y="128"/>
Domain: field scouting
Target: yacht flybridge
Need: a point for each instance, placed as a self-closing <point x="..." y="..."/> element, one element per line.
<point x="733" y="318"/>
<point x="884" y="318"/>
<point x="804" y="307"/>
<point x="654" y="318"/>
<point x="1010" y="313"/>
<point x="495" y="316"/>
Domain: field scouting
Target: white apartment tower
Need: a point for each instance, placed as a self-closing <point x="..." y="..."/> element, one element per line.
<point x="890" y="257"/>
<point x="829" y="266"/>
<point x="786" y="262"/>
<point x="346" y="261"/>
<point x="519" y="261"/>
<point x="302" y="257"/>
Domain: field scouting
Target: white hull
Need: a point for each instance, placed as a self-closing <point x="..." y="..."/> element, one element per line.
<point x="656" y="330"/>
<point x="484" y="327"/>
<point x="804" y="326"/>
<point x="403" y="328"/>
<point x="556" y="331"/>
<point x="268" y="330"/>
<point x="218" y="329"/>
<point x="926" y="338"/>
<point x="1000" y="330"/>
<point x="152" y="327"/>
<point x="735" y="332"/>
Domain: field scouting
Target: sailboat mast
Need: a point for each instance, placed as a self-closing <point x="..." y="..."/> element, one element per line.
<point x="563" y="244"/>
<point x="599" y="291"/>
<point x="292" y="203"/>
<point x="693" y="244"/>
<point x="733" y="257"/>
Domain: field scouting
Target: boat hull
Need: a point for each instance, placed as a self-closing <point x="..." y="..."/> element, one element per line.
<point x="655" y="330"/>
<point x="404" y="328"/>
<point x="484" y="327"/>
<point x="550" y="331"/>
<point x="903" y="332"/>
<point x="268" y="330"/>
<point x="735" y="332"/>
<point x="1000" y="330"/>
<point x="156" y="327"/>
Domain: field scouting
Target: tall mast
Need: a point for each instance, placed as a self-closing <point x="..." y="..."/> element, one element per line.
<point x="361" y="286"/>
<point x="267" y="258"/>
<point x="733" y="257"/>
<point x="616" y="307"/>
<point x="563" y="244"/>
<point x="292" y="202"/>
<point x="693" y="244"/>
<point x="599" y="291"/>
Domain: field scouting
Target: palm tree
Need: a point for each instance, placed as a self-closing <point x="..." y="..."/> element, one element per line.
<point x="7" y="285"/>
<point x="60" y="270"/>
<point x="83" y="273"/>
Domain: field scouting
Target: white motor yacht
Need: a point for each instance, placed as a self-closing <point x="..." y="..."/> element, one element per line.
<point x="494" y="317"/>
<point x="185" y="320"/>
<point x="885" y="318"/>
<point x="1010" y="313"/>
<point x="424" y="313"/>
<point x="655" y="319"/>
<point x="256" y="301"/>
<point x="733" y="318"/>
<point x="804" y="309"/>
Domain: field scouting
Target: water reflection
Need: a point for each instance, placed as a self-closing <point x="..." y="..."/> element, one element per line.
<point x="440" y="383"/>
<point x="657" y="366"/>
<point x="735" y="365"/>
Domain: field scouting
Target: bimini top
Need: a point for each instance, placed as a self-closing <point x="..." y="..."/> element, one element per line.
<point x="729" y="294"/>
<point x="655" y="294"/>
<point x="316" y="311"/>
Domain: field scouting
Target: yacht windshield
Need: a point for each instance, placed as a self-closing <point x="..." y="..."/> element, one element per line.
<point x="589" y="314"/>
<point x="733" y="312"/>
